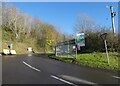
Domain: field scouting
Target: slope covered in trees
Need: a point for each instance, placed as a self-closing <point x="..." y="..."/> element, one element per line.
<point x="26" y="31"/>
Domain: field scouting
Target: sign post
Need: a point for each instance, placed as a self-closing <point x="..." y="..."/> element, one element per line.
<point x="75" y="50"/>
<point x="103" y="36"/>
<point x="80" y="41"/>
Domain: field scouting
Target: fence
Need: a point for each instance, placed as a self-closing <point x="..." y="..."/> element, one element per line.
<point x="66" y="49"/>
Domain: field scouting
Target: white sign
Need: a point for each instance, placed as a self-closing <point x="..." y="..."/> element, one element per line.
<point x="6" y="51"/>
<point x="80" y="39"/>
<point x="29" y="49"/>
<point x="12" y="51"/>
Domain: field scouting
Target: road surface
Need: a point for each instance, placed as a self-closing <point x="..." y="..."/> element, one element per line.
<point x="39" y="69"/>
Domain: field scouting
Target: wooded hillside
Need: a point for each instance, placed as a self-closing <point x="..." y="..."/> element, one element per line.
<point x="24" y="30"/>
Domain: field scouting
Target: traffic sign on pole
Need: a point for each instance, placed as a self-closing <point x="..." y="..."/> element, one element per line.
<point x="80" y="39"/>
<point x="103" y="36"/>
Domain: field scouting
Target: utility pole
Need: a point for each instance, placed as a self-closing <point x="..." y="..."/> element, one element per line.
<point x="112" y="19"/>
<point x="113" y="24"/>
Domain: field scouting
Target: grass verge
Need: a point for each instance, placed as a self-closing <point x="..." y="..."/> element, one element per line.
<point x="96" y="60"/>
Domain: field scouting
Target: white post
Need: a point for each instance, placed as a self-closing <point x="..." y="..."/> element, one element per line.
<point x="106" y="51"/>
<point x="68" y="49"/>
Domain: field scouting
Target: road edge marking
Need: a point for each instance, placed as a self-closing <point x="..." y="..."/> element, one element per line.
<point x="116" y="77"/>
<point x="62" y="80"/>
<point x="31" y="66"/>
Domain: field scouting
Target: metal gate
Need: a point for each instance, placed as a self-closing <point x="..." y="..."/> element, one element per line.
<point x="66" y="49"/>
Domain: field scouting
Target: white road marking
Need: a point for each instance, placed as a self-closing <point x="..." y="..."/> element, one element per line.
<point x="29" y="54"/>
<point x="63" y="80"/>
<point x="116" y="77"/>
<point x="31" y="66"/>
<point x="71" y="78"/>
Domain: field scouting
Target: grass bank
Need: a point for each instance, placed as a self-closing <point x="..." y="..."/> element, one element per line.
<point x="97" y="60"/>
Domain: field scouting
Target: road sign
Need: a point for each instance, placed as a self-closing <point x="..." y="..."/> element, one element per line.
<point x="29" y="49"/>
<point x="103" y="36"/>
<point x="12" y="52"/>
<point x="6" y="51"/>
<point x="80" y="39"/>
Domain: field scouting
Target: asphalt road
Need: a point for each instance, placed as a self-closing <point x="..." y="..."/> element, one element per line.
<point x="39" y="69"/>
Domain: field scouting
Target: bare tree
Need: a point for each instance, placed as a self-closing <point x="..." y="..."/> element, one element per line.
<point x="10" y="18"/>
<point x="85" y="24"/>
<point x="25" y="27"/>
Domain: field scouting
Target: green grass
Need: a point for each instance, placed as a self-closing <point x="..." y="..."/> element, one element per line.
<point x="97" y="60"/>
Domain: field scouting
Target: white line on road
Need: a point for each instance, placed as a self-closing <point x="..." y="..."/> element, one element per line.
<point x="31" y="66"/>
<point x="116" y="77"/>
<point x="63" y="80"/>
<point x="71" y="78"/>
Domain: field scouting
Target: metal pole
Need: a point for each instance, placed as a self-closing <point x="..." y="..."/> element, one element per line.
<point x="75" y="49"/>
<point x="106" y="51"/>
<point x="68" y="49"/>
<point x="55" y="51"/>
<point x="113" y="24"/>
<point x="112" y="19"/>
<point x="76" y="53"/>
